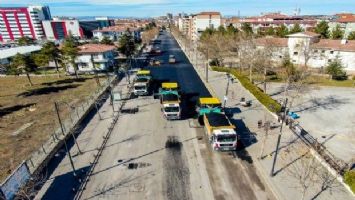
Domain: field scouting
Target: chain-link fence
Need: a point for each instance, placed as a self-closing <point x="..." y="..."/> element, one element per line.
<point x="41" y="156"/>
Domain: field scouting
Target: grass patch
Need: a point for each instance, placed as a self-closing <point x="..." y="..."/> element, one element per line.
<point x="349" y="178"/>
<point x="265" y="99"/>
<point x="21" y="104"/>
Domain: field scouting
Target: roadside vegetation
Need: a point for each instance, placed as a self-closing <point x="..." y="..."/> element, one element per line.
<point x="27" y="117"/>
<point x="265" y="99"/>
<point x="349" y="179"/>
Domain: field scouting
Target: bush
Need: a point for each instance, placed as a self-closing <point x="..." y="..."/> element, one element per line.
<point x="336" y="71"/>
<point x="349" y="178"/>
<point x="215" y="62"/>
<point x="265" y="99"/>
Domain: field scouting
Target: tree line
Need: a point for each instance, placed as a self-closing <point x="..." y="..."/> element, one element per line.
<point x="66" y="54"/>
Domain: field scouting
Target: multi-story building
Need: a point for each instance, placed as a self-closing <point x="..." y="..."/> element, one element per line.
<point x="58" y="29"/>
<point x="17" y="22"/>
<point x="275" y="20"/>
<point x="204" y="20"/>
<point x="308" y="48"/>
<point x="115" y="32"/>
<point x="346" y="21"/>
<point x="184" y="24"/>
<point x="93" y="57"/>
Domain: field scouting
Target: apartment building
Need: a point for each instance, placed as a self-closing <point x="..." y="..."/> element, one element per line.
<point x="204" y="20"/>
<point x="275" y="20"/>
<point x="346" y="21"/>
<point x="184" y="24"/>
<point x="94" y="57"/>
<point x="17" y="22"/>
<point x="115" y="32"/>
<point x="58" y="29"/>
<point x="308" y="47"/>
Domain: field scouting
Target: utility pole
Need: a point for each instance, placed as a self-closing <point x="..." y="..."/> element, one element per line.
<point x="226" y="93"/>
<point x="65" y="143"/>
<point x="279" y="139"/>
<point x="71" y="132"/>
<point x="206" y="69"/>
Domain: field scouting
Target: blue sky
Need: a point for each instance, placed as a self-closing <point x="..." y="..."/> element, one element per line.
<point x="150" y="8"/>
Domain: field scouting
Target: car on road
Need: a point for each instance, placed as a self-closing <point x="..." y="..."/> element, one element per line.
<point x="172" y="59"/>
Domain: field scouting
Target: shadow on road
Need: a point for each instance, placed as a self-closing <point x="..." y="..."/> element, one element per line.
<point x="64" y="186"/>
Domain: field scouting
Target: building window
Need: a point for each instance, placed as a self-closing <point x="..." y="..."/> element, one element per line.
<point x="315" y="51"/>
<point x="295" y="53"/>
<point x="280" y="56"/>
<point x="323" y="51"/>
<point x="331" y="52"/>
<point x="294" y="61"/>
<point x="96" y="56"/>
<point x="329" y="60"/>
<point x="83" y="65"/>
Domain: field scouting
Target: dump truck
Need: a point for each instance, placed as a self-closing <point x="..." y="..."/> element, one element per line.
<point x="142" y="83"/>
<point x="207" y="105"/>
<point x="170" y="100"/>
<point x="221" y="133"/>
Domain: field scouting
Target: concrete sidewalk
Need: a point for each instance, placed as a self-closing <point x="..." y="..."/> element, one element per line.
<point x="61" y="182"/>
<point x="284" y="184"/>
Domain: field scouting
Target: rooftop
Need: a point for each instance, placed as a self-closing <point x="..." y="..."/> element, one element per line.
<point x="10" y="52"/>
<point x="304" y="34"/>
<point x="95" y="48"/>
<point x="337" y="45"/>
<point x="116" y="29"/>
<point x="209" y="13"/>
<point x="275" y="42"/>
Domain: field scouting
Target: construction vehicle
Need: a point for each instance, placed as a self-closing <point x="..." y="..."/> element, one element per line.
<point x="142" y="83"/>
<point x="170" y="100"/>
<point x="172" y="59"/>
<point x="207" y="105"/>
<point x="221" y="133"/>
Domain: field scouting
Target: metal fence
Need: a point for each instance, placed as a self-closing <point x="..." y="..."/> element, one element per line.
<point x="39" y="158"/>
<point x="14" y="182"/>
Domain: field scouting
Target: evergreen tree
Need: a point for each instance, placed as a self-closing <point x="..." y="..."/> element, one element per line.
<point x="70" y="51"/>
<point x="49" y="52"/>
<point x="282" y="31"/>
<point x="335" y="70"/>
<point x="246" y="28"/>
<point x="106" y="40"/>
<point x="337" y="33"/>
<point x="296" y="28"/>
<point x="24" y="41"/>
<point x="322" y="28"/>
<point x="270" y="31"/>
<point x="24" y="64"/>
<point x="351" y="35"/>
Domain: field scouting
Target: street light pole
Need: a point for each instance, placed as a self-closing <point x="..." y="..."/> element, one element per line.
<point x="226" y="93"/>
<point x="65" y="143"/>
<point x="278" y="140"/>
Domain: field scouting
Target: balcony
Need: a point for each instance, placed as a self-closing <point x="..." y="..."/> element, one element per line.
<point x="100" y="60"/>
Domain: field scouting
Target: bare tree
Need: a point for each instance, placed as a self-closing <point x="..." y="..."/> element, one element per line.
<point x="29" y="190"/>
<point x="303" y="168"/>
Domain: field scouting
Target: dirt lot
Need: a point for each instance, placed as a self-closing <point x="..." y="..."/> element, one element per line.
<point x="27" y="116"/>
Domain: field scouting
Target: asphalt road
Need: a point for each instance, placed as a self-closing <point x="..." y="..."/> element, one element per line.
<point x="148" y="157"/>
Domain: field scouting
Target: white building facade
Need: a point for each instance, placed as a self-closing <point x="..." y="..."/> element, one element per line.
<point x="95" y="57"/>
<point x="204" y="20"/>
<point x="308" y="48"/>
<point x="58" y="29"/>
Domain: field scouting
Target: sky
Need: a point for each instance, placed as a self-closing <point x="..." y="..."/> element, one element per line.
<point x="153" y="8"/>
